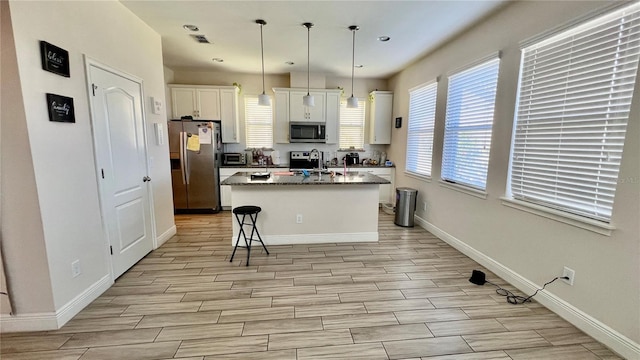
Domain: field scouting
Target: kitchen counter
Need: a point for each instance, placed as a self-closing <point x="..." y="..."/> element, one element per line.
<point x="352" y="178"/>
<point x="312" y="209"/>
<point x="286" y="166"/>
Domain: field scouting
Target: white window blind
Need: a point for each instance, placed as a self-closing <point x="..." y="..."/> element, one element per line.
<point x="422" y="113"/>
<point x="258" y="123"/>
<point x="469" y="120"/>
<point x="352" y="126"/>
<point x="573" y="105"/>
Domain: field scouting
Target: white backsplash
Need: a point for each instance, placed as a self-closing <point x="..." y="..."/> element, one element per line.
<point x="328" y="150"/>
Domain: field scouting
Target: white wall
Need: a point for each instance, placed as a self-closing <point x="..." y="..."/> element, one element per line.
<point x="63" y="160"/>
<point x="22" y="236"/>
<point x="607" y="286"/>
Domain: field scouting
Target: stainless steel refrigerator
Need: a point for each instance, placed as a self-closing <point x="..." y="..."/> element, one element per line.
<point x="195" y="151"/>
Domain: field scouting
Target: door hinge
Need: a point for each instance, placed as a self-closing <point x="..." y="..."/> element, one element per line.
<point x="94" y="87"/>
<point x="111" y="249"/>
<point x="102" y="173"/>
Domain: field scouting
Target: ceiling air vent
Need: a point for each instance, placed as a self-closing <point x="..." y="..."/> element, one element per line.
<point x="201" y="39"/>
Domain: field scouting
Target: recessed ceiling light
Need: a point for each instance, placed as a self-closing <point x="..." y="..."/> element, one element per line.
<point x="383" y="38"/>
<point x="191" y="27"/>
<point x="218" y="60"/>
<point x="358" y="66"/>
<point x="289" y="63"/>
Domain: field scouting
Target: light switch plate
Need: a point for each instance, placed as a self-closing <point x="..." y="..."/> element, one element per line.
<point x="159" y="130"/>
<point x="156" y="105"/>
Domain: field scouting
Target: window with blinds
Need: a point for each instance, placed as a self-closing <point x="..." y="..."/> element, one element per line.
<point x="573" y="105"/>
<point x="258" y="123"/>
<point x="471" y="100"/>
<point x="352" y="126"/>
<point x="422" y="113"/>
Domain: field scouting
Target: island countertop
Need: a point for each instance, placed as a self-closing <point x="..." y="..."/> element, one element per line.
<point x="352" y="178"/>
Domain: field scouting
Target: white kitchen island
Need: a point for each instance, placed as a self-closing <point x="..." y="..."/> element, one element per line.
<point x="313" y="209"/>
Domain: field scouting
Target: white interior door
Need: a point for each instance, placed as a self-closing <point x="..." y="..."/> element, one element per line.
<point x="118" y="126"/>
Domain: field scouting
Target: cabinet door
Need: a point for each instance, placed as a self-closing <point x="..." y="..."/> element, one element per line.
<point x="208" y="104"/>
<point x="299" y="112"/>
<point x="281" y="117"/>
<point x="183" y="102"/>
<point x="317" y="113"/>
<point x="229" y="115"/>
<point x="332" y="117"/>
<point x="385" y="189"/>
<point x="380" y="118"/>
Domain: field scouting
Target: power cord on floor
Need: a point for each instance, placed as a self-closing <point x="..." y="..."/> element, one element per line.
<point x="478" y="278"/>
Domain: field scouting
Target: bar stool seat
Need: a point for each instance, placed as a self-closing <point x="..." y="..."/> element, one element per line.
<point x="252" y="211"/>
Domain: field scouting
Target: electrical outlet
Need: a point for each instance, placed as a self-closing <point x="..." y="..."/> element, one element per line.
<point x="570" y="273"/>
<point x="299" y="219"/>
<point x="424" y="206"/>
<point x="75" y="268"/>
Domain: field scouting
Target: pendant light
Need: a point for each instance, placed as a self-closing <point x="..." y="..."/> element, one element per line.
<point x="263" y="99"/>
<point x="352" y="102"/>
<point x="308" y="100"/>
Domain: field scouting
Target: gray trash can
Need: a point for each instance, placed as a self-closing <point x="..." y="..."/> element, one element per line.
<point x="405" y="206"/>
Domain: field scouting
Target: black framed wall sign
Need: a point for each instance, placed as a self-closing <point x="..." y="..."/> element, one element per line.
<point x="398" y="122"/>
<point x="54" y="59"/>
<point x="60" y="108"/>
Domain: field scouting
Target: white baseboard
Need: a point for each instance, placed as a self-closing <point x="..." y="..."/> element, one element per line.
<point x="583" y="321"/>
<point x="73" y="307"/>
<point x="28" y="322"/>
<point x="166" y="236"/>
<point x="314" y="238"/>
<point x="54" y="320"/>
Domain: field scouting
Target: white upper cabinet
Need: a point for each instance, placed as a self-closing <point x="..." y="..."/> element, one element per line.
<point x="299" y="112"/>
<point x="229" y="115"/>
<point x="281" y="117"/>
<point x="380" y="117"/>
<point x="332" y="117"/>
<point x="288" y="107"/>
<point x="184" y="102"/>
<point x="208" y="103"/>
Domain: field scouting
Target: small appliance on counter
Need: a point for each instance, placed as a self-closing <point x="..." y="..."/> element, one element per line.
<point x="234" y="159"/>
<point x="352" y="159"/>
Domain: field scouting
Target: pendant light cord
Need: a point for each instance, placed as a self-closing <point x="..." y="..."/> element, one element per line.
<point x="262" y="52"/>
<point x="308" y="55"/>
<point x="353" y="59"/>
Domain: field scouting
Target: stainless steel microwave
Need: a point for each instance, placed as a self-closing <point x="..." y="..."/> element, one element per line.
<point x="307" y="132"/>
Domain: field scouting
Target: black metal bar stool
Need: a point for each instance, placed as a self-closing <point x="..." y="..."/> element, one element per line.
<point x="252" y="211"/>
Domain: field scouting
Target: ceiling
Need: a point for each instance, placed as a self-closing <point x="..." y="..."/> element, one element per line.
<point x="415" y="28"/>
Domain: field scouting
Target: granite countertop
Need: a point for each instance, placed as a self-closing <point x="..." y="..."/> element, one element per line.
<point x="250" y="166"/>
<point x="352" y="178"/>
<point x="286" y="166"/>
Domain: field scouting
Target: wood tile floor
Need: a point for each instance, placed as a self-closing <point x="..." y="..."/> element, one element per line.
<point x="405" y="297"/>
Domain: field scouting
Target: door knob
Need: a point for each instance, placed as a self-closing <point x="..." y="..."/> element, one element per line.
<point x="146" y="178"/>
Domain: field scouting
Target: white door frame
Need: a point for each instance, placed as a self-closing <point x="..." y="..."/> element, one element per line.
<point x="89" y="62"/>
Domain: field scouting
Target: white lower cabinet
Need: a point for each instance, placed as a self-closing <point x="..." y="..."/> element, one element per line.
<point x="387" y="173"/>
<point x="225" y="190"/>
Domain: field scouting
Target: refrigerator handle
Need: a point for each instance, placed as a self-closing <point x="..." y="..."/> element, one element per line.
<point x="183" y="157"/>
<point x="186" y="158"/>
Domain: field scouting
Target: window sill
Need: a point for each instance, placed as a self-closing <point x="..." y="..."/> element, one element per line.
<point x="424" y="178"/>
<point x="464" y="189"/>
<point x="561" y="216"/>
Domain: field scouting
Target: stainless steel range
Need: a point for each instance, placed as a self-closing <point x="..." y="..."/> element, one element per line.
<point x="299" y="160"/>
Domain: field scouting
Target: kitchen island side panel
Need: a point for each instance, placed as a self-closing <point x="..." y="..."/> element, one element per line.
<point x="345" y="213"/>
